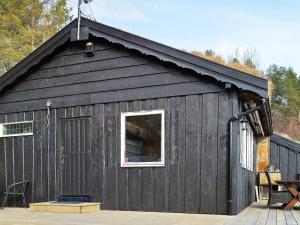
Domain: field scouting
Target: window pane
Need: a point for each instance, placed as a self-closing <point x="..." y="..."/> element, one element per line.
<point x="143" y="138"/>
<point x="20" y="128"/>
<point x="243" y="147"/>
<point x="246" y="140"/>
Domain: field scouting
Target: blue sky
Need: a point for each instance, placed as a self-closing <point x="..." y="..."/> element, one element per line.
<point x="270" y="27"/>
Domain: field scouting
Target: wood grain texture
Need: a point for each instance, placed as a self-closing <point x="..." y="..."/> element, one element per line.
<point x="192" y="154"/>
<point x="222" y="174"/>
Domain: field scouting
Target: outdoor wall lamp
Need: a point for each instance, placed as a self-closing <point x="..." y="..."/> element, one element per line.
<point x="89" y="48"/>
<point x="244" y="122"/>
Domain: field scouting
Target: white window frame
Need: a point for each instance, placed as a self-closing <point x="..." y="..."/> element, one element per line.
<point x="246" y="147"/>
<point x="15" y="135"/>
<point x="161" y="163"/>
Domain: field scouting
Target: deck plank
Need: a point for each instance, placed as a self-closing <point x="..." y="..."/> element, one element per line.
<point x="254" y="217"/>
<point x="296" y="216"/>
<point x="234" y="219"/>
<point x="259" y="214"/>
<point x="262" y="220"/>
<point x="271" y="217"/>
<point x="248" y="216"/>
<point x="280" y="217"/>
<point x="290" y="220"/>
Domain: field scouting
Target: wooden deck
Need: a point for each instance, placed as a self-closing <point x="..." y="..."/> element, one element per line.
<point x="259" y="214"/>
<point x="19" y="216"/>
<point x="256" y="214"/>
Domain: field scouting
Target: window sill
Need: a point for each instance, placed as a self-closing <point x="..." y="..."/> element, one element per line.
<point x="16" y="135"/>
<point x="143" y="164"/>
<point x="249" y="170"/>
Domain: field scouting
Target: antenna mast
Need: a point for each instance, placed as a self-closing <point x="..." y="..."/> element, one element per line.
<point x="79" y="15"/>
<point x="78" y="19"/>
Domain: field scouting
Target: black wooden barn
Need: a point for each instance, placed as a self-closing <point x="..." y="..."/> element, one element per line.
<point x="135" y="124"/>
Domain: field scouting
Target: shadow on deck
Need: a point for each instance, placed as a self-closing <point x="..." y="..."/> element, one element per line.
<point x="259" y="214"/>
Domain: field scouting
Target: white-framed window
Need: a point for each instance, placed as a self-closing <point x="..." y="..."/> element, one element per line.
<point x="21" y="128"/>
<point x="143" y="138"/>
<point x="246" y="143"/>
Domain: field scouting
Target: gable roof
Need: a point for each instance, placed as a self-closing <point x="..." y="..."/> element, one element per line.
<point x="243" y="81"/>
<point x="246" y="83"/>
<point x="251" y="87"/>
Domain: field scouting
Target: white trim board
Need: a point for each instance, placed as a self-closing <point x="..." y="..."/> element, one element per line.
<point x="123" y="139"/>
<point x="17" y="134"/>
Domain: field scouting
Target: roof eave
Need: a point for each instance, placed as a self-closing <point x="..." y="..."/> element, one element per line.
<point x="241" y="80"/>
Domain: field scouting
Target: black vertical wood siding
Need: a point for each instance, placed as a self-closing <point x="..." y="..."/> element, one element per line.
<point x="285" y="156"/>
<point x="196" y="156"/>
<point x="243" y="180"/>
<point x="194" y="178"/>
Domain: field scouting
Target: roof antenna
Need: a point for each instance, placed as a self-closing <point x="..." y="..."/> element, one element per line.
<point x="78" y="19"/>
<point x="79" y="16"/>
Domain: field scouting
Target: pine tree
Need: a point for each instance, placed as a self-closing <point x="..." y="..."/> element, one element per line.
<point x="25" y="25"/>
<point x="285" y="100"/>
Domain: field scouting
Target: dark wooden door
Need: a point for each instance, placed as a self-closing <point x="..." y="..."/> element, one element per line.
<point x="76" y="155"/>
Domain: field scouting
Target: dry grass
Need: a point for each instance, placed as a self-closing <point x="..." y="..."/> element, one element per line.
<point x="235" y="65"/>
